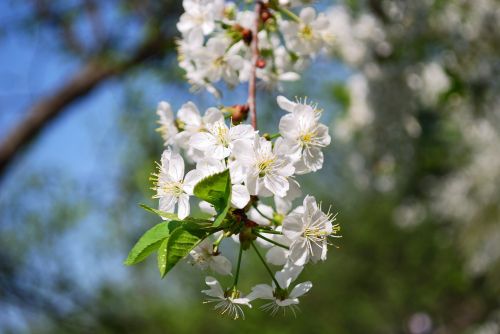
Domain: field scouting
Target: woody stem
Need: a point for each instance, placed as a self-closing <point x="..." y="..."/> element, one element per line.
<point x="252" y="84"/>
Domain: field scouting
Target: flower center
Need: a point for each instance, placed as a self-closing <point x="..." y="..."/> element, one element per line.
<point x="307" y="32"/>
<point x="219" y="62"/>
<point x="264" y="166"/>
<point x="315" y="233"/>
<point x="220" y="132"/>
<point x="281" y="294"/>
<point x="173" y="188"/>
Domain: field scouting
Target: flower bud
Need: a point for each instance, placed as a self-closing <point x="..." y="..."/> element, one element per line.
<point x="246" y="35"/>
<point x="239" y="113"/>
<point x="261" y="63"/>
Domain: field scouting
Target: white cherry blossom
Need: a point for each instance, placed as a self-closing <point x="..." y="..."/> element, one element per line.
<point x="192" y="122"/>
<point x="219" y="139"/>
<point x="280" y="297"/>
<point x="217" y="62"/>
<point x="167" y="127"/>
<point x="304" y="135"/>
<point x="200" y="14"/>
<point x="226" y="302"/>
<point x="309" y="228"/>
<point x="172" y="187"/>
<point x="267" y="170"/>
<point x="308" y="35"/>
<point x="204" y="258"/>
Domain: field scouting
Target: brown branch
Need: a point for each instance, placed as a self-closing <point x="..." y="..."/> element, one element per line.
<point x="89" y="77"/>
<point x="252" y="83"/>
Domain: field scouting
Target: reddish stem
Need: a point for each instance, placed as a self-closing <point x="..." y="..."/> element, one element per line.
<point x="252" y="84"/>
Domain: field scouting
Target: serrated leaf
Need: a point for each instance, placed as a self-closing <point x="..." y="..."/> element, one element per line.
<point x="167" y="215"/>
<point x="179" y="244"/>
<point x="148" y="243"/>
<point x="216" y="190"/>
<point x="162" y="258"/>
<point x="213" y="189"/>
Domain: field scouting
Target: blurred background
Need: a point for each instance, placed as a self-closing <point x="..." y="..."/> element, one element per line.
<point x="411" y="93"/>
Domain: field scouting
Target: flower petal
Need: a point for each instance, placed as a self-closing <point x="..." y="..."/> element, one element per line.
<point x="215" y="288"/>
<point x="301" y="289"/>
<point x="239" y="196"/>
<point x="183" y="206"/>
<point x="285" y="103"/>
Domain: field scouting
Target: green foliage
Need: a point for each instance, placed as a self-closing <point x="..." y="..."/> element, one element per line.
<point x="148" y="243"/>
<point x="341" y="95"/>
<point x="180" y="243"/>
<point x="174" y="239"/>
<point x="168" y="215"/>
<point x="216" y="190"/>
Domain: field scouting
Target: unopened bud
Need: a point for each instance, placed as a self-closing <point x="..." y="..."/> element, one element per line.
<point x="265" y="14"/>
<point x="246" y="35"/>
<point x="261" y="63"/>
<point x="239" y="113"/>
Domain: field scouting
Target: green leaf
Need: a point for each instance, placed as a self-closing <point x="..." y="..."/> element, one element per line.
<point x="216" y="190"/>
<point x="180" y="243"/>
<point x="162" y="258"/>
<point x="148" y="243"/>
<point x="168" y="215"/>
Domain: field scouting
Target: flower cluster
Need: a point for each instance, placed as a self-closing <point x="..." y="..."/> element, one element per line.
<point x="216" y="35"/>
<point x="245" y="181"/>
<point x="260" y="167"/>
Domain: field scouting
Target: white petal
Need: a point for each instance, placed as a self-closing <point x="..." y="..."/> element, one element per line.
<point x="301" y="289"/>
<point x="243" y="151"/>
<point x="251" y="183"/>
<point x="293" y="226"/>
<point x="289" y="127"/>
<point x="287" y="302"/>
<point x="192" y="178"/>
<point x="176" y="167"/>
<point x="322" y="135"/>
<point x="183" y="206"/>
<point x="285" y="278"/>
<point x="299" y="252"/>
<point x="239" y="196"/>
<point x="212" y="115"/>
<point x="307" y="15"/>
<point x="277" y="256"/>
<point x="215" y="288"/>
<point x="318" y="251"/>
<point x="313" y="159"/>
<point x="276" y="184"/>
<point x="189" y="114"/>
<point x="221" y="265"/>
<point x="207" y="208"/>
<point x="167" y="203"/>
<point x="310" y="206"/>
<point x="202" y="141"/>
<point x="285" y="103"/>
<point x="261" y="291"/>
<point x="242" y="131"/>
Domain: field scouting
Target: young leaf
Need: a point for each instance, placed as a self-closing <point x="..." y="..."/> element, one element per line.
<point x="150" y="241"/>
<point x="213" y="189"/>
<point x="180" y="243"/>
<point x="216" y="190"/>
<point x="168" y="215"/>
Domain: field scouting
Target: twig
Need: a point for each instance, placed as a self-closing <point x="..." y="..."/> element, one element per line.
<point x="252" y="84"/>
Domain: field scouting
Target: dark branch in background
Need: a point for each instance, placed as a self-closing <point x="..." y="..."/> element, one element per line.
<point x="377" y="8"/>
<point x="95" y="72"/>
